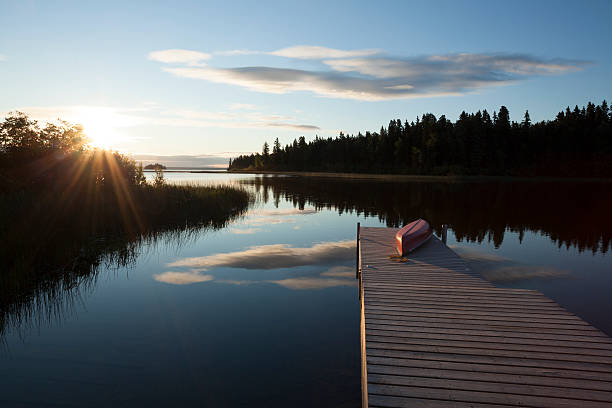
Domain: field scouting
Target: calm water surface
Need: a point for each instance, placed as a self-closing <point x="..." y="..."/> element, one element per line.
<point x="266" y="312"/>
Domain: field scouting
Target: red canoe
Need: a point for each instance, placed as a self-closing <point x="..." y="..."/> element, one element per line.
<point x="412" y="236"/>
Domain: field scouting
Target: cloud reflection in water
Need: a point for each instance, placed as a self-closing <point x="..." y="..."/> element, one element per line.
<point x="182" y="278"/>
<point x="274" y="256"/>
<point x="267" y="257"/>
<point x="496" y="268"/>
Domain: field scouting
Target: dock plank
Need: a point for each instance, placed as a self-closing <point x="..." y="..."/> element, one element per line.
<point x="435" y="334"/>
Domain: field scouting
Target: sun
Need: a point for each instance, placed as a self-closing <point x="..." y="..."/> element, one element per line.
<point x="100" y="126"/>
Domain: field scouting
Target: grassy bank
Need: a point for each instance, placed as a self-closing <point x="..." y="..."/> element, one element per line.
<point x="54" y="241"/>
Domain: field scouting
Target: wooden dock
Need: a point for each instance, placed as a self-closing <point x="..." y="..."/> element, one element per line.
<point x="434" y="334"/>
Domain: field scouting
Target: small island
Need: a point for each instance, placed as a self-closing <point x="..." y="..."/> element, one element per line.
<point x="154" y="166"/>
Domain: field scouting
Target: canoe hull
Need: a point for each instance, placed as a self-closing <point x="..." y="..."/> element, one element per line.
<point x="412" y="236"/>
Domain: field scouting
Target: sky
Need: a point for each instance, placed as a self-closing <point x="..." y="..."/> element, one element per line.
<point x="193" y="83"/>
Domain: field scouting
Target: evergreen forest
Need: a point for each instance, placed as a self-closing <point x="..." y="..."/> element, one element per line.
<point x="576" y="143"/>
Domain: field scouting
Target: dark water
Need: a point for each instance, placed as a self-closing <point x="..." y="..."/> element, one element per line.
<point x="265" y="311"/>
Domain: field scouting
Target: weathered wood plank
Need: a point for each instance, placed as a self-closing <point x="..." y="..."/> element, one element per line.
<point x="490" y="386"/>
<point x="592" y="371"/>
<point x="605" y="348"/>
<point x="492" y="317"/>
<point x="579" y="341"/>
<point x="557" y="314"/>
<point x="561" y="352"/>
<point x="384" y="401"/>
<point x="485" y="397"/>
<point x="484" y="324"/>
<point x="466" y="348"/>
<point x="520" y="373"/>
<point x="447" y="303"/>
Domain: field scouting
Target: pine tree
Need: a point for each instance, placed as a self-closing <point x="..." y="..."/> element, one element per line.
<point x="527" y="119"/>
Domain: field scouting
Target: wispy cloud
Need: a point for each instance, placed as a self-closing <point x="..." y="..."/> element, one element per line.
<point x="316" y="52"/>
<point x="340" y="272"/>
<point x="263" y="221"/>
<point x="285" y="212"/>
<point x="243" y="106"/>
<point x="274" y="256"/>
<point x="313" y="283"/>
<point x="473" y="254"/>
<point x="524" y="272"/>
<point x="229" y="120"/>
<point x="333" y="277"/>
<point x="182" y="278"/>
<point x="231" y="53"/>
<point x="3" y="57"/>
<point x="178" y="56"/>
<point x="266" y="257"/>
<point x="366" y="75"/>
<point x="244" y="231"/>
<point x="291" y="126"/>
<point x="278" y="216"/>
<point x="497" y="268"/>
<point x="303" y="52"/>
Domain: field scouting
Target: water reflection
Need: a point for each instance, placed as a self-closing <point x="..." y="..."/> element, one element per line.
<point x="273" y="256"/>
<point x="51" y="272"/>
<point x="571" y="214"/>
<point x="499" y="269"/>
<point x="269" y="257"/>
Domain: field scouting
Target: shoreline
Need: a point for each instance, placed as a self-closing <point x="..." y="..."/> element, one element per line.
<point x="405" y="177"/>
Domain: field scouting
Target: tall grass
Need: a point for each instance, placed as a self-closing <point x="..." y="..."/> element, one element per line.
<point x="53" y="242"/>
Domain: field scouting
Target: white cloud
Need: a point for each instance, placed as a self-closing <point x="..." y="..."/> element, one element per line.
<point x="361" y="75"/>
<point x="231" y="53"/>
<point x="285" y="212"/>
<point x="301" y="283"/>
<point x="257" y="221"/>
<point x="462" y="66"/>
<point x="244" y="231"/>
<point x="182" y="278"/>
<point x="303" y="52"/>
<point x="178" y="56"/>
<point x="276" y="256"/>
<point x="474" y="254"/>
<point x="316" y="52"/>
<point x="516" y="273"/>
<point x="340" y="272"/>
<point x="242" y="106"/>
<point x="496" y="268"/>
<point x="313" y="283"/>
<point x="3" y="57"/>
<point x="273" y="256"/>
<point x="228" y="120"/>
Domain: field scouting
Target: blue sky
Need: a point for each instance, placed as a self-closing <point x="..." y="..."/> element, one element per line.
<point x="108" y="66"/>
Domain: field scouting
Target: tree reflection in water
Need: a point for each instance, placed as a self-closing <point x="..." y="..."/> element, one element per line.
<point x="49" y="273"/>
<point x="572" y="214"/>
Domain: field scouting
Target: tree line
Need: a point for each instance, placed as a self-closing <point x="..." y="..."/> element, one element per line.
<point x="476" y="211"/>
<point x="576" y="143"/>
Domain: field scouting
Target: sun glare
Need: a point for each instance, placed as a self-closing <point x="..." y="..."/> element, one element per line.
<point x="100" y="126"/>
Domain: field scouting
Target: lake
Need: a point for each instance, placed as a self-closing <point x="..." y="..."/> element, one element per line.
<point x="265" y="311"/>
